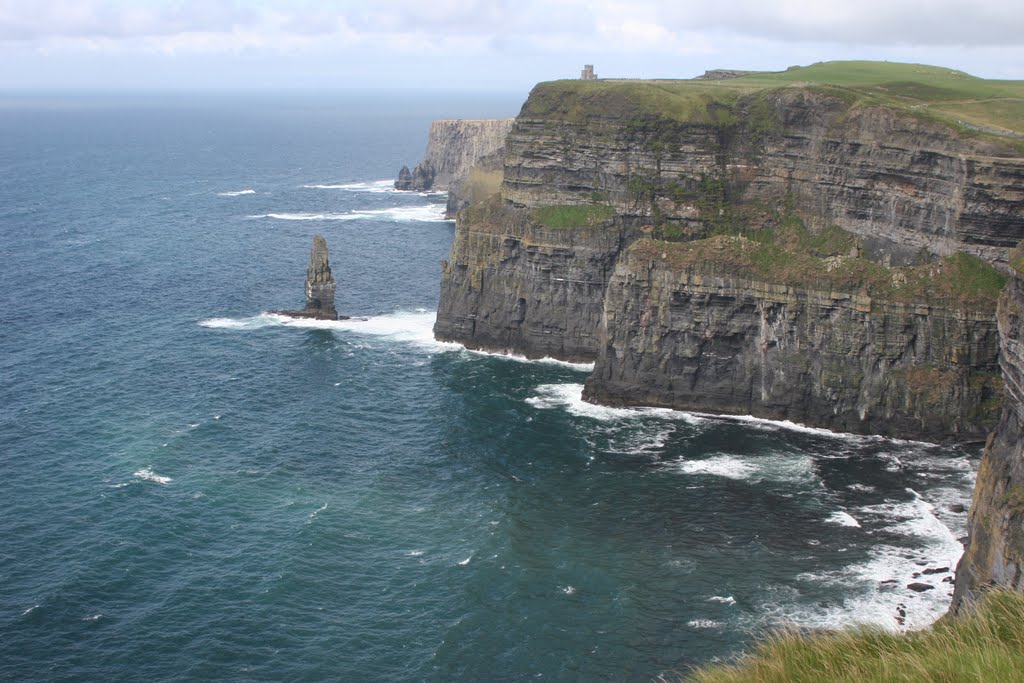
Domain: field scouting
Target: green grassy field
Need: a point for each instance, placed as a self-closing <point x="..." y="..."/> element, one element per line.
<point x="987" y="646"/>
<point x="944" y="94"/>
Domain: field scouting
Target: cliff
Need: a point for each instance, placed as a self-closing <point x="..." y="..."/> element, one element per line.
<point x="454" y="147"/>
<point x="708" y="326"/>
<point x="704" y="156"/>
<point x="995" y="549"/>
<point x="891" y="195"/>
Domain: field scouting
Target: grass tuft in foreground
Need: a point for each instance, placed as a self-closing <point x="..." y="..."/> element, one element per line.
<point x="985" y="646"/>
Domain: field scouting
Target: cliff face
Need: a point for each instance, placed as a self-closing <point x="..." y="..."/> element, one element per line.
<point x="544" y="267"/>
<point x="702" y="338"/>
<point x="995" y="547"/>
<point x="513" y="285"/>
<point x="904" y="183"/>
<point x="453" y="148"/>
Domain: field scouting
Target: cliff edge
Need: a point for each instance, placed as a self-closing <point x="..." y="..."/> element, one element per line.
<point x="994" y="555"/>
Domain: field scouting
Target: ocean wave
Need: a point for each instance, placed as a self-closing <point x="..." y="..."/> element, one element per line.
<point x="842" y="518"/>
<point x="568" y="397"/>
<point x="375" y="186"/>
<point x="428" y="213"/>
<point x="235" y="193"/>
<point x="885" y="600"/>
<point x="147" y="474"/>
<point x="719" y="466"/>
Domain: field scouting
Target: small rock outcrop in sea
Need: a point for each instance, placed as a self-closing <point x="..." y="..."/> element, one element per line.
<point x="320" y="286"/>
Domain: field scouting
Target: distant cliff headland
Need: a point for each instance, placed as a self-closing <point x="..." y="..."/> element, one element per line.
<point x="464" y="157"/>
<point x="826" y="245"/>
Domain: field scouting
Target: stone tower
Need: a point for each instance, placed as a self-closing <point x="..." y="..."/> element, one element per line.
<point x="588" y="73"/>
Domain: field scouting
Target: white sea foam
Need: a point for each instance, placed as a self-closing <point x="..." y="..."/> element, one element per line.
<point x="568" y="590"/>
<point x="724" y="599"/>
<point x="569" y="397"/>
<point x="704" y="623"/>
<point x="842" y="518"/>
<point x="427" y="213"/>
<point x="769" y="467"/>
<point x="464" y="562"/>
<point x="719" y="466"/>
<point x="235" y="193"/>
<point x="312" y="515"/>
<point x="884" y="577"/>
<point x="149" y="475"/>
<point x="415" y="553"/>
<point x="375" y="186"/>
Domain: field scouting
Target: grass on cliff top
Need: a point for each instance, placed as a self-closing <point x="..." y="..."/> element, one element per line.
<point x="572" y="215"/>
<point x="945" y="94"/>
<point x="986" y="646"/>
<point x="797" y="257"/>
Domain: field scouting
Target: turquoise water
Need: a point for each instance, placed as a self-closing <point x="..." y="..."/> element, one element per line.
<point x="194" y="489"/>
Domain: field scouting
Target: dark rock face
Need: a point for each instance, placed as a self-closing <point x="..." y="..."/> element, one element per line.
<point x="320" y="285"/>
<point x="510" y="285"/>
<point x="909" y="188"/>
<point x="994" y="555"/>
<point x="721" y="344"/>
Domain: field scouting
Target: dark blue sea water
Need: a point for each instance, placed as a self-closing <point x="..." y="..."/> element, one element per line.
<point x="194" y="490"/>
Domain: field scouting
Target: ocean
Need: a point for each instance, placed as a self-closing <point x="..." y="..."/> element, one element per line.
<point x="195" y="489"/>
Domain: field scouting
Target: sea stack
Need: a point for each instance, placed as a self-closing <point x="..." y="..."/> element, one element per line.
<point x="319" y="283"/>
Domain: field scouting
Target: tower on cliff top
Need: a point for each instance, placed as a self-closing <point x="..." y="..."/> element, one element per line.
<point x="588" y="73"/>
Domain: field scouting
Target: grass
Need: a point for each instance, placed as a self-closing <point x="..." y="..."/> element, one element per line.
<point x="925" y="91"/>
<point x="572" y="215"/>
<point x="793" y="255"/>
<point x="985" y="646"/>
<point x="1016" y="258"/>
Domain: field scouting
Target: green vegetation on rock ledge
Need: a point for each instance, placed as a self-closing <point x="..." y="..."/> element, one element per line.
<point x="986" y="646"/>
<point x="974" y="104"/>
<point x="795" y="256"/>
<point x="572" y="215"/>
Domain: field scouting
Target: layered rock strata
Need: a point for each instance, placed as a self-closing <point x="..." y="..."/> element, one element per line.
<point x="994" y="555"/>
<point x="453" y="148"/>
<point x="906" y="184"/>
<point x="526" y="279"/>
<point x="706" y="338"/>
<point x="320" y="285"/>
<point x="514" y="285"/>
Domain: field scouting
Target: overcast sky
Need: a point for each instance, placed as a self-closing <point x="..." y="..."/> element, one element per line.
<point x="505" y="45"/>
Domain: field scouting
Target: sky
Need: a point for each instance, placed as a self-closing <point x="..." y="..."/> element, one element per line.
<point x="495" y="45"/>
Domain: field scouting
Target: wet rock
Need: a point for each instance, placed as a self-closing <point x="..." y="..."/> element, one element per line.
<point x="957" y="507"/>
<point x="936" y="570"/>
<point x="920" y="587"/>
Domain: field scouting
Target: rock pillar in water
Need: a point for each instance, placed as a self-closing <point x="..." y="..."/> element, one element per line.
<point x="320" y="283"/>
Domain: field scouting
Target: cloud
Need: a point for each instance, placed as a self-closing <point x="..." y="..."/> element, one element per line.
<point x="860" y="22"/>
<point x="676" y="27"/>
